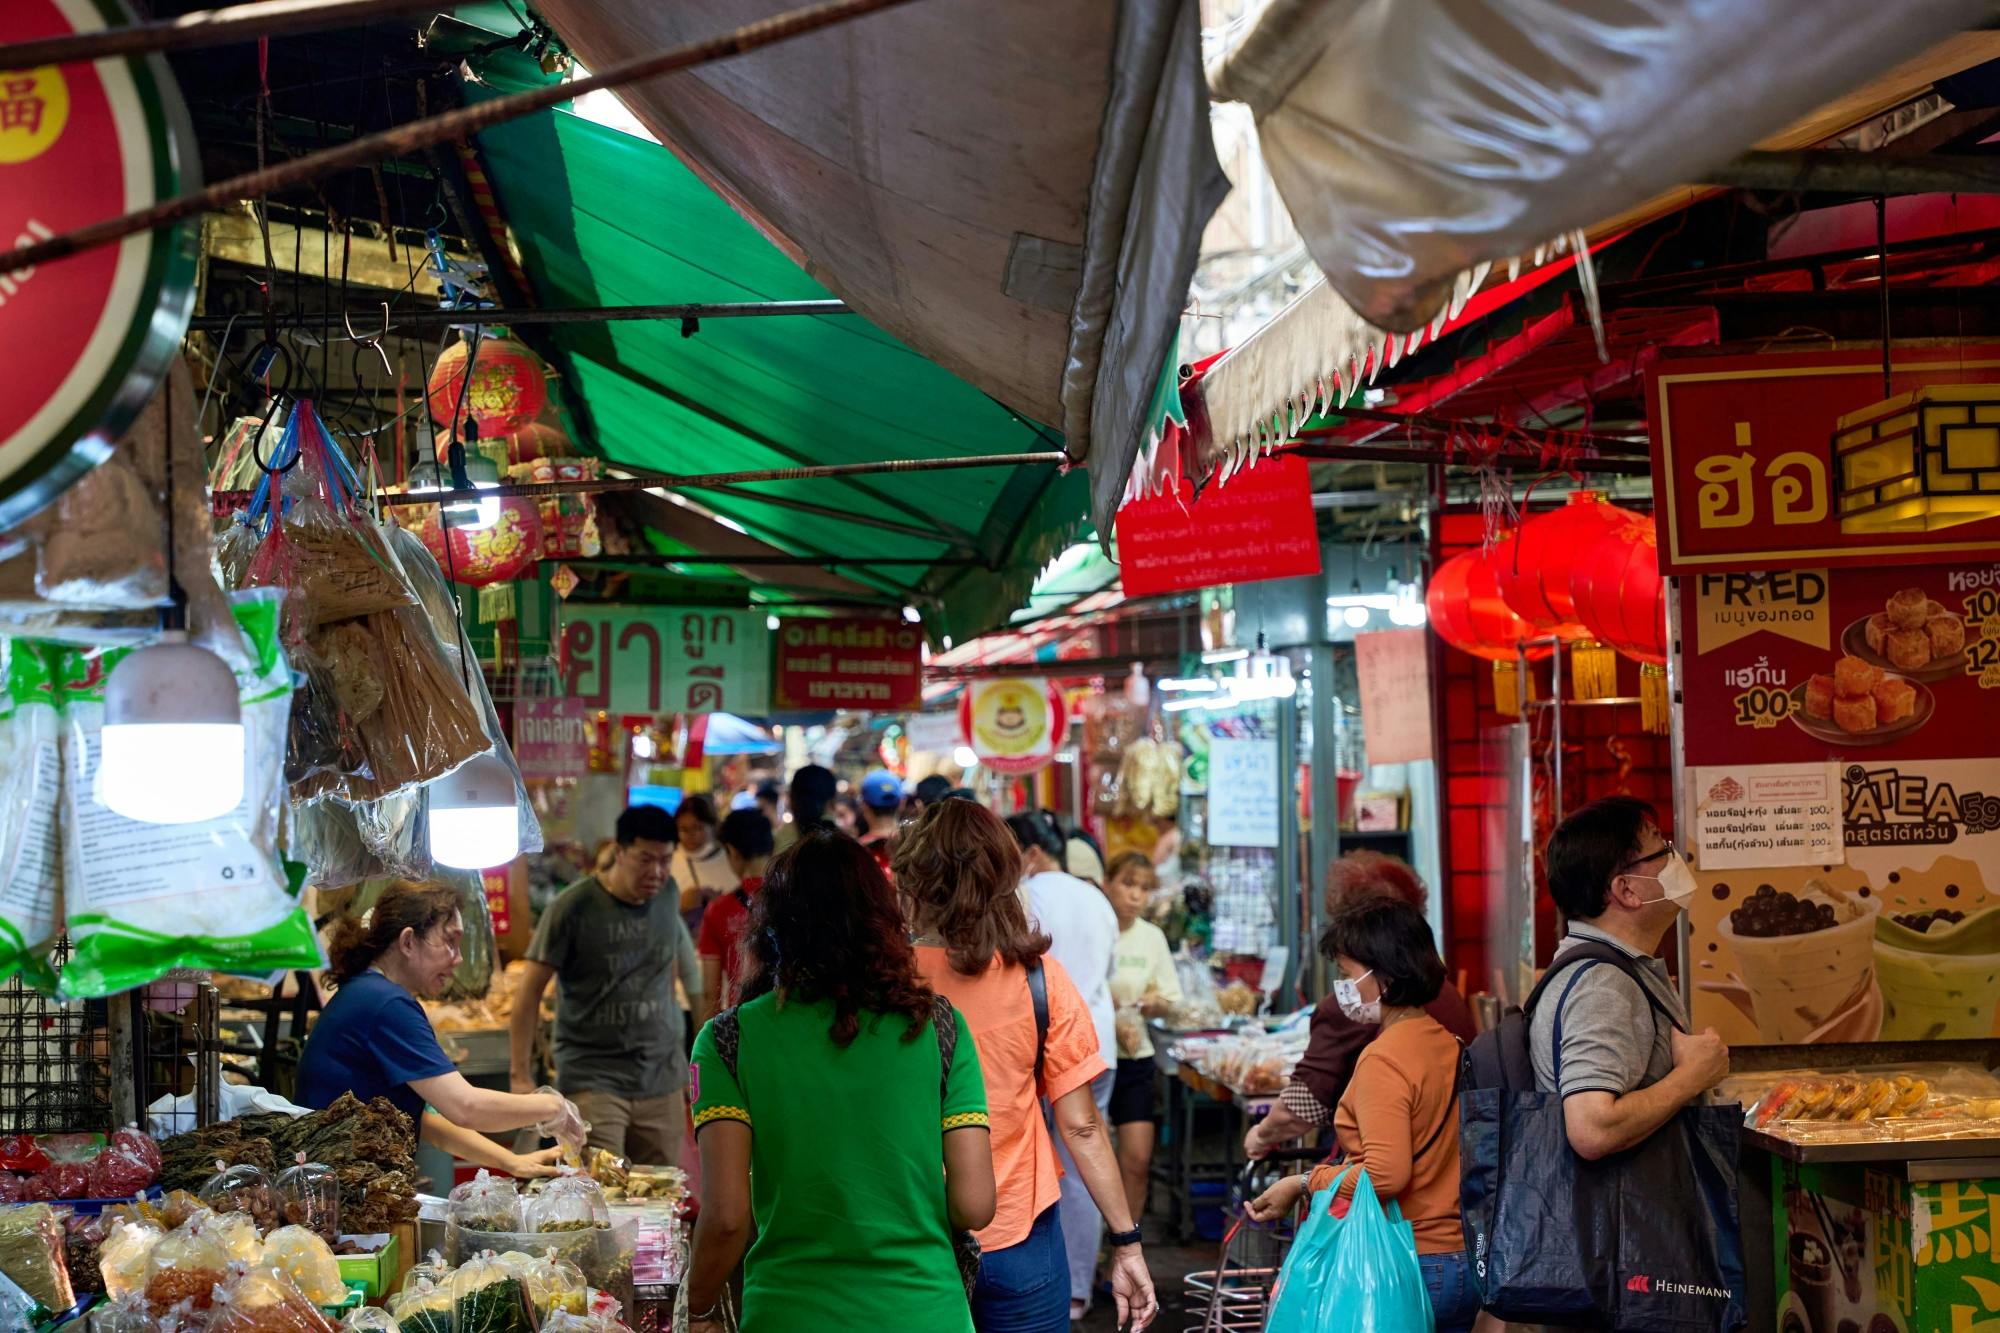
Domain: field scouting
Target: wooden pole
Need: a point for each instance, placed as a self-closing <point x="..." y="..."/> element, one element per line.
<point x="209" y="27"/>
<point x="455" y="124"/>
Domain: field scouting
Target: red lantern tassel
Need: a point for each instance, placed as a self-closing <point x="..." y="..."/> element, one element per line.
<point x="1594" y="669"/>
<point x="1508" y="682"/>
<point x="1655" y="705"/>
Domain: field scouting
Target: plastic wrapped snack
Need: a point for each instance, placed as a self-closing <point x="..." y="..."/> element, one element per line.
<point x="487" y="1296"/>
<point x="263" y="1300"/>
<point x="33" y="1254"/>
<point x="243" y="1189"/>
<point x="567" y="1203"/>
<point x="309" y="1196"/>
<point x="121" y="1260"/>
<point x="485" y="1203"/>
<point x="124" y="1168"/>
<point x="306" y="1258"/>
<point x="30" y="794"/>
<point x="212" y="895"/>
<point x="186" y="1265"/>
<point x="552" y="1284"/>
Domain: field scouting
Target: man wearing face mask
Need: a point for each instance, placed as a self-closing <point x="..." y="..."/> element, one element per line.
<point x="1628" y="1062"/>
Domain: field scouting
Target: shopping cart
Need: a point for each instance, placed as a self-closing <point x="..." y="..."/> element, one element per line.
<point x="1235" y="1295"/>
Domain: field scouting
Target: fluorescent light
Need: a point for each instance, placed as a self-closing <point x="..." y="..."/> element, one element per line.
<point x="964" y="757"/>
<point x="1214" y="655"/>
<point x="1182" y="705"/>
<point x="473" y="824"/>
<point x="172" y="747"/>
<point x="1190" y="685"/>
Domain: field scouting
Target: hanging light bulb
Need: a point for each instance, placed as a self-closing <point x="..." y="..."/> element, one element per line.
<point x="472" y="817"/>
<point x="172" y="748"/>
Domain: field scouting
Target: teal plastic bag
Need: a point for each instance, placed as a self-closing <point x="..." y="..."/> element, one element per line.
<point x="1352" y="1274"/>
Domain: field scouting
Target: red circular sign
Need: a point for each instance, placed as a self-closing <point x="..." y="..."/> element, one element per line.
<point x="89" y="336"/>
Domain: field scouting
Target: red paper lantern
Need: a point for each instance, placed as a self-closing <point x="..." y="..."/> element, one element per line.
<point x="483" y="556"/>
<point x="1468" y="613"/>
<point x="534" y="440"/>
<point x="509" y="387"/>
<point x="1534" y="568"/>
<point x="1618" y="591"/>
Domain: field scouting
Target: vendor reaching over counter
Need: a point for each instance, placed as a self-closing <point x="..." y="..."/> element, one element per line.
<point x="373" y="1039"/>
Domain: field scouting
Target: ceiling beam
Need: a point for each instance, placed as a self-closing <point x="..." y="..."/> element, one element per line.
<point x="1834" y="171"/>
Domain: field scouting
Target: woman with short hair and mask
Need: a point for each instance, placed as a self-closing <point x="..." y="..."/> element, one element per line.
<point x="1398" y="1118"/>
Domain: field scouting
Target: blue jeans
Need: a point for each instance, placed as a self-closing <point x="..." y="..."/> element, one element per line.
<point x="1025" y="1288"/>
<point x="1454" y="1298"/>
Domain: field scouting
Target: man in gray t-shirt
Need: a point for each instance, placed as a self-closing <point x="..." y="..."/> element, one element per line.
<point x="1627" y="1063"/>
<point x="613" y="943"/>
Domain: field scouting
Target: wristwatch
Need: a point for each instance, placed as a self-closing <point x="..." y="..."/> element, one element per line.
<point x="1118" y="1238"/>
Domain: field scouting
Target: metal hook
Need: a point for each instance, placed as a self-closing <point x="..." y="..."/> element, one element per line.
<point x="372" y="343"/>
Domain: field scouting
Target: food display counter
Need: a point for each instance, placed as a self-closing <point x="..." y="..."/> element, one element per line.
<point x="1878" y="1182"/>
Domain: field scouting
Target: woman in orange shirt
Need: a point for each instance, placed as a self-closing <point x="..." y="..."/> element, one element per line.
<point x="1399" y="1115"/>
<point x="958" y="870"/>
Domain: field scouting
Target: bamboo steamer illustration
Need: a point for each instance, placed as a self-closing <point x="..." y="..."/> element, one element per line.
<point x="1940" y="977"/>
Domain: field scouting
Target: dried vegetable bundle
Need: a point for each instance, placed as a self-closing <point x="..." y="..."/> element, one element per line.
<point x="367" y="1147"/>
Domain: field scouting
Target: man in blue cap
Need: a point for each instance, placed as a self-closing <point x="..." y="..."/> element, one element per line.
<point x="882" y="803"/>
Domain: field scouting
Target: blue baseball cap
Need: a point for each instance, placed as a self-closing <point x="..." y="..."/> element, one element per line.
<point x="882" y="790"/>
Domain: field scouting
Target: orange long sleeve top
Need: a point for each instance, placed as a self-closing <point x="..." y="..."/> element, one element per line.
<point x="1402" y="1092"/>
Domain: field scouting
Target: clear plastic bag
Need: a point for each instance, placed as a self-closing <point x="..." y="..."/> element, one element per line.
<point x="30" y="798"/>
<point x="487" y="1296"/>
<point x="122" y="1259"/>
<point x="263" y="1300"/>
<point x="309" y="1196"/>
<point x="425" y="1310"/>
<point x="485" y="1203"/>
<point x="306" y="1258"/>
<point x="554" y="1285"/>
<point x="369" y="1319"/>
<point x="186" y="1265"/>
<point x="243" y="1189"/>
<point x="34" y="1254"/>
<point x="566" y="1203"/>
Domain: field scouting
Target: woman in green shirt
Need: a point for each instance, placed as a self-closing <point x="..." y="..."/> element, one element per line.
<point x="825" y="1110"/>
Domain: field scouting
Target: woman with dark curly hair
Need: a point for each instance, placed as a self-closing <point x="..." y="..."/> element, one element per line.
<point x="839" y="1106"/>
<point x="958" y="869"/>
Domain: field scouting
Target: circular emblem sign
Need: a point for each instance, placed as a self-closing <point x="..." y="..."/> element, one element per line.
<point x="87" y="337"/>
<point x="1014" y="726"/>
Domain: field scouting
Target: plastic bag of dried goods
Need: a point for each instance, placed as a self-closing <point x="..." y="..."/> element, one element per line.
<point x="489" y="1297"/>
<point x="485" y="1203"/>
<point x="34" y="1256"/>
<point x="309" y="1196"/>
<point x="308" y="1260"/>
<point x="186" y="1264"/>
<point x="142" y="899"/>
<point x="122" y="1259"/>
<point x="264" y="1300"/>
<point x="30" y="795"/>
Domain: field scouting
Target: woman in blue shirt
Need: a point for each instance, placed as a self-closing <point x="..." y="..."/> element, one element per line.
<point x="374" y="1040"/>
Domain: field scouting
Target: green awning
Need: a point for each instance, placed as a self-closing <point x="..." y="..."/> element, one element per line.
<point x="605" y="218"/>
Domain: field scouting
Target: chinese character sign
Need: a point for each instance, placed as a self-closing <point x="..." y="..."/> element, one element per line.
<point x="660" y="659"/>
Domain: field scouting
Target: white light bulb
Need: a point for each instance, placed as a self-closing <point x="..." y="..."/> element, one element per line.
<point x="771" y="623"/>
<point x="473" y="825"/>
<point x="911" y="614"/>
<point x="172" y="747"/>
<point x="643" y="746"/>
<point x="1355" y="616"/>
<point x="964" y="757"/>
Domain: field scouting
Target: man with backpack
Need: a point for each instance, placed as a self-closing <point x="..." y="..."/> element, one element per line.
<point x="1628" y="1062"/>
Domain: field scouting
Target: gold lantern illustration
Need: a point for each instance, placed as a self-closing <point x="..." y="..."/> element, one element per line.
<point x="1920" y="461"/>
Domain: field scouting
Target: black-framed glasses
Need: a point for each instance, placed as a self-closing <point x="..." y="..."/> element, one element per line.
<point x="1667" y="850"/>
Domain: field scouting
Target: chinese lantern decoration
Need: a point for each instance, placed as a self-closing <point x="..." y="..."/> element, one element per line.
<point x="509" y="388"/>
<point x="1534" y="570"/>
<point x="569" y="521"/>
<point x="481" y="557"/>
<point x="1622" y="599"/>
<point x="1468" y="613"/>
<point x="532" y="441"/>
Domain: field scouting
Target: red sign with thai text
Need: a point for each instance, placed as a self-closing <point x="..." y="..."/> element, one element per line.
<point x="847" y="662"/>
<point x="497" y="883"/>
<point x="1257" y="525"/>
<point x="1743" y="474"/>
<point x="552" y="738"/>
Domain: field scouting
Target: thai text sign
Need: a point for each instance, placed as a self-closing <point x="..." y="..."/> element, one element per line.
<point x="1394" y="668"/>
<point x="847" y="662"/>
<point x="1257" y="525"/>
<point x="552" y="738"/>
<point x="663" y="659"/>
<point x="1743" y="457"/>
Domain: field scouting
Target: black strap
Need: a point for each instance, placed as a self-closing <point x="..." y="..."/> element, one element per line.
<point x="1038" y="995"/>
<point x="1597" y="951"/>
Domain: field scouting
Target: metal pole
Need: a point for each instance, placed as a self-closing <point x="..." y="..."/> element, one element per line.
<point x="522" y="318"/>
<point x="210" y="27"/>
<point x="1604" y="444"/>
<point x="456" y="124"/>
<point x="1441" y="458"/>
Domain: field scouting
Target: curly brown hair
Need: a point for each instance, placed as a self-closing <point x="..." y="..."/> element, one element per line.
<point x="826" y="926"/>
<point x="1362" y="874"/>
<point x="960" y="870"/>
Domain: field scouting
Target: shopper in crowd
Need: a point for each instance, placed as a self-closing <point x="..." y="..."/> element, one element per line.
<point x="746" y="840"/>
<point x="882" y="811"/>
<point x="812" y="791"/>
<point x="1143" y="985"/>
<point x="699" y="869"/>
<point x="1083" y="858"/>
<point x="1398" y="1118"/>
<point x="615" y="944"/>
<point x="958" y="869"/>
<point x="1628" y="1061"/>
<point x="1083" y="931"/>
<point x="929" y="792"/>
<point x="770" y="799"/>
<point x="374" y="1040"/>
<point x="822" y="1116"/>
<point x="1335" y="1041"/>
<point x="845" y="813"/>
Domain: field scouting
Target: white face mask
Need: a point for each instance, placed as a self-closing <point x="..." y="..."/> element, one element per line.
<point x="1676" y="881"/>
<point x="1347" y="994"/>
